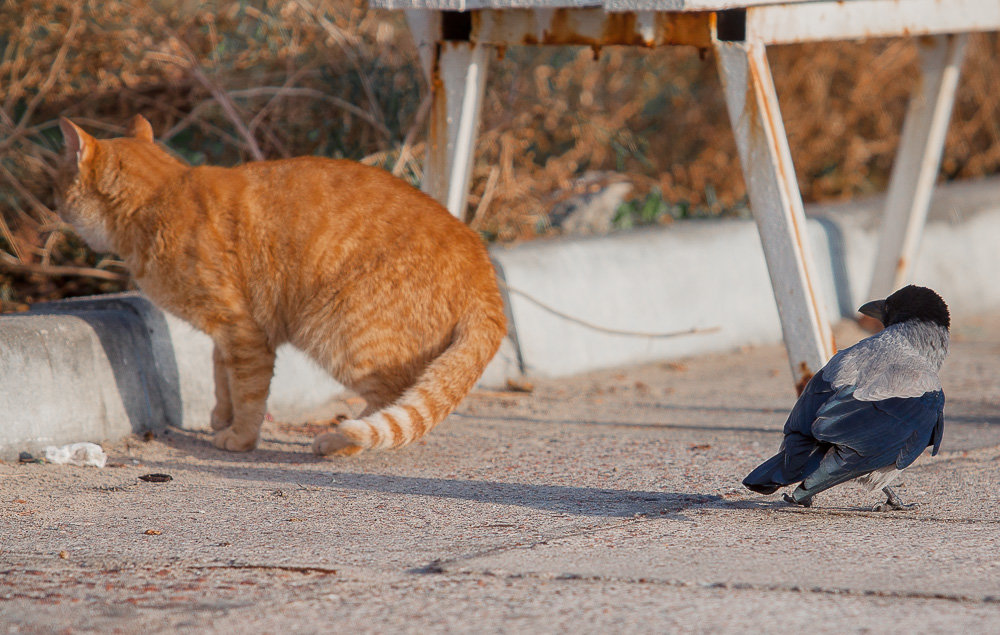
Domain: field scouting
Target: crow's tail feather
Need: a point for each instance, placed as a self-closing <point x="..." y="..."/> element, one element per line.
<point x="767" y="477"/>
<point x="798" y="457"/>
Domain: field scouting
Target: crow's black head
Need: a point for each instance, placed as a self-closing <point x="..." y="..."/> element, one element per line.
<point x="909" y="303"/>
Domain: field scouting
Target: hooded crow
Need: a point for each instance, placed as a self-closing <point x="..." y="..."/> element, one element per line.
<point x="872" y="410"/>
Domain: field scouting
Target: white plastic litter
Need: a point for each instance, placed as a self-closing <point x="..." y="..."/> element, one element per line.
<point x="76" y="454"/>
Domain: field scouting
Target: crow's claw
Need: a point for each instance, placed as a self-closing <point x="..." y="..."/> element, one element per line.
<point x="893" y="502"/>
<point x="890" y="506"/>
<point x="788" y="499"/>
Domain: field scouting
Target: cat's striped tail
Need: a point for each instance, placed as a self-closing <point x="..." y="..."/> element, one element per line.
<point x="437" y="391"/>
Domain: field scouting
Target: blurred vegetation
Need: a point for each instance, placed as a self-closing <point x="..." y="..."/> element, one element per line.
<point x="225" y="81"/>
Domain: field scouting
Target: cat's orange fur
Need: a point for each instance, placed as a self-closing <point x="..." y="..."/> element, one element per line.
<point x="373" y="279"/>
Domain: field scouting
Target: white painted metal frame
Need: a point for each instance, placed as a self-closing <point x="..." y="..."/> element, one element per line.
<point x="776" y="204"/>
<point x="456" y="74"/>
<point x="457" y="70"/>
<point x="917" y="161"/>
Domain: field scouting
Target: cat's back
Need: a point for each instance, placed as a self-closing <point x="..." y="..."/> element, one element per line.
<point x="343" y="197"/>
<point x="319" y="182"/>
<point x="339" y="220"/>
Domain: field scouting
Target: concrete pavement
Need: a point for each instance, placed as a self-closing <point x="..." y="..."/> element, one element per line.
<point x="604" y="502"/>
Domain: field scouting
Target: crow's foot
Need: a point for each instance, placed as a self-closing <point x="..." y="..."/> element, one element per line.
<point x="804" y="503"/>
<point x="889" y="506"/>
<point x="893" y="502"/>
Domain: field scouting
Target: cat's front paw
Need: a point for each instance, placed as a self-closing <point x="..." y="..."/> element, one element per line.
<point x="335" y="444"/>
<point x="229" y="439"/>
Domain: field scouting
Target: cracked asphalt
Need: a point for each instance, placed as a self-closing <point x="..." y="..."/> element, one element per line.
<point x="605" y="502"/>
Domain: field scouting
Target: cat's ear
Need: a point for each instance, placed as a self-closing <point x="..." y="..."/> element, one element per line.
<point x="140" y="129"/>
<point x="78" y="142"/>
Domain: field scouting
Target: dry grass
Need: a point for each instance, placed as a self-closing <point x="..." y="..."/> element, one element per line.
<point x="226" y="81"/>
<point x="659" y="117"/>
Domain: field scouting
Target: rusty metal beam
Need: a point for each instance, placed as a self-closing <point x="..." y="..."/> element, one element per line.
<point x="776" y="204"/>
<point x="591" y="27"/>
<point x="457" y="83"/>
<point x="425" y="29"/>
<point x="917" y="161"/>
<point x="608" y="5"/>
<point x="838" y="20"/>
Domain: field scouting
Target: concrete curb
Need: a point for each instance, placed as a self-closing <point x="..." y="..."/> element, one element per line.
<point x="98" y="368"/>
<point x="90" y="369"/>
<point x="712" y="273"/>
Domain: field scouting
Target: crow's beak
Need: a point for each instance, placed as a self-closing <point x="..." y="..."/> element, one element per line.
<point x="874" y="309"/>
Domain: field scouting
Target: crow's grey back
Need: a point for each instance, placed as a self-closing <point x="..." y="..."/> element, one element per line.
<point x="901" y="361"/>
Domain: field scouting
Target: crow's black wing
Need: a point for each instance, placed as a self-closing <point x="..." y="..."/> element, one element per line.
<point x="817" y="392"/>
<point x="873" y="434"/>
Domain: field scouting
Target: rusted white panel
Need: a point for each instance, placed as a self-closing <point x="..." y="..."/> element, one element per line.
<point x="776" y="204"/>
<point x="535" y="26"/>
<point x="470" y="5"/>
<point x="457" y="86"/>
<point x="610" y="5"/>
<point x="689" y="5"/>
<point x="590" y="27"/>
<point x="856" y="19"/>
<point x="917" y="162"/>
<point x="768" y="21"/>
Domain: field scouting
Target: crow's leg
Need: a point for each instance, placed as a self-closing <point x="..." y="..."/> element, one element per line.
<point x="805" y="501"/>
<point x="833" y="470"/>
<point x="892" y="502"/>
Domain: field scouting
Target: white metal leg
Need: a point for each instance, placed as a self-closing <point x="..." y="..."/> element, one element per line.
<point x="425" y="28"/>
<point x="917" y="162"/>
<point x="776" y="204"/>
<point x="458" y="81"/>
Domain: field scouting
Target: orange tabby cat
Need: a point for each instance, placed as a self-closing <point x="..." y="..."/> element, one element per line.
<point x="376" y="281"/>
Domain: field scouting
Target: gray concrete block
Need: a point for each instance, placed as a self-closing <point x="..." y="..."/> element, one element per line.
<point x="704" y="274"/>
<point x="712" y="274"/>
<point x="182" y="358"/>
<point x="90" y="369"/>
<point x="85" y="377"/>
<point x="956" y="255"/>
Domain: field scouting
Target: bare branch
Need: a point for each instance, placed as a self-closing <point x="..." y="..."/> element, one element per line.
<point x="74" y="26"/>
<point x="277" y="91"/>
<point x="45" y="213"/>
<point x="220" y="95"/>
<point x="289" y="83"/>
<point x="59" y="270"/>
<point x="347" y="48"/>
<point x="9" y="237"/>
<point x="316" y="94"/>
<point x="418" y="122"/>
<point x="488" y="192"/>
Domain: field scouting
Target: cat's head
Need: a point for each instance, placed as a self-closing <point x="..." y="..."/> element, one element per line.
<point x="103" y="180"/>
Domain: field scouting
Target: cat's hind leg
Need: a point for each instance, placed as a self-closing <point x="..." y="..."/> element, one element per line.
<point x="248" y="362"/>
<point x="438" y="387"/>
<point x="222" y="414"/>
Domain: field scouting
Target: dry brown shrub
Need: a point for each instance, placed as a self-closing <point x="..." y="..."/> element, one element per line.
<point x="221" y="82"/>
<point x="228" y="81"/>
<point x="659" y="117"/>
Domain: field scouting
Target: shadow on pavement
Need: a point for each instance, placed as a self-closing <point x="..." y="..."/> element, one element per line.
<point x="584" y="501"/>
<point x="618" y="423"/>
